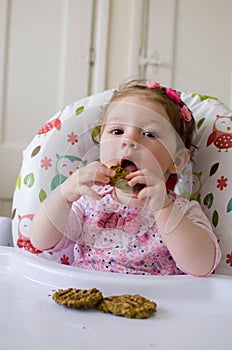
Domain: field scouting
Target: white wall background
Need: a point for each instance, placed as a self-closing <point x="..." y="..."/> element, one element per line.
<point x="54" y="52"/>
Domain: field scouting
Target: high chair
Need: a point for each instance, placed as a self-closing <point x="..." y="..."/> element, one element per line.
<point x="65" y="143"/>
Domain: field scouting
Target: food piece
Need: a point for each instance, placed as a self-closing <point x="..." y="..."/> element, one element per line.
<point x="126" y="305"/>
<point x="78" y="298"/>
<point x="119" y="180"/>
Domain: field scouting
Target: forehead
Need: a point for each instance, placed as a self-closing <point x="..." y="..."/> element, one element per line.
<point x="137" y="109"/>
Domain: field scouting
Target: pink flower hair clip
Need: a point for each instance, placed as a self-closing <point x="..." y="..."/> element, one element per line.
<point x="174" y="96"/>
<point x="185" y="113"/>
<point x="153" y="85"/>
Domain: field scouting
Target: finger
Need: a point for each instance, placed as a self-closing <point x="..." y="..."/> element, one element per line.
<point x="138" y="180"/>
<point x="109" y="171"/>
<point x="134" y="174"/>
<point x="104" y="171"/>
<point x="101" y="179"/>
<point x="146" y="194"/>
<point x="142" y="195"/>
<point x="102" y="168"/>
<point x="144" y="177"/>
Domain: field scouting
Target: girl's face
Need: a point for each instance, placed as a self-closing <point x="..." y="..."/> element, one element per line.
<point x="137" y="135"/>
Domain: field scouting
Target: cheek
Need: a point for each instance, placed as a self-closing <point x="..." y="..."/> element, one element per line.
<point x="165" y="151"/>
<point x="158" y="157"/>
<point x="107" y="151"/>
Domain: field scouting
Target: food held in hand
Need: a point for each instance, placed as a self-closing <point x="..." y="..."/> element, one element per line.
<point x="119" y="180"/>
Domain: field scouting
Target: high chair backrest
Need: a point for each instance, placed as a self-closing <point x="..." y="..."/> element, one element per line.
<point x="65" y="143"/>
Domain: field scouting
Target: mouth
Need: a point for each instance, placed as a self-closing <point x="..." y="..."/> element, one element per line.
<point x="127" y="164"/>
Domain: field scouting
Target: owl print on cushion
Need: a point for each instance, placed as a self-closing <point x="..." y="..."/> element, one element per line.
<point x="65" y="166"/>
<point x="23" y="241"/>
<point x="221" y="136"/>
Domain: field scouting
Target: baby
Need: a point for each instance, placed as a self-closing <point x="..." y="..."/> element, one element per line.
<point x="147" y="131"/>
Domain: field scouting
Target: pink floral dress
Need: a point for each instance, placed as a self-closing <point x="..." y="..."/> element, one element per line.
<point x="113" y="237"/>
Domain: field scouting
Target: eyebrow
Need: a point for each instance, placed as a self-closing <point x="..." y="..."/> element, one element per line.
<point x="160" y="122"/>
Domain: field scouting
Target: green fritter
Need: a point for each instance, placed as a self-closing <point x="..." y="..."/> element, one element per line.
<point x="119" y="180"/>
<point x="78" y="298"/>
<point x="126" y="305"/>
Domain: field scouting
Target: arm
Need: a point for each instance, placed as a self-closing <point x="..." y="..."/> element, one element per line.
<point x="49" y="222"/>
<point x="193" y="246"/>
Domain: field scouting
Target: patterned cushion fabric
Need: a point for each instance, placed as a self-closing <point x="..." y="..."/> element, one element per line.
<point x="61" y="146"/>
<point x="210" y="175"/>
<point x="64" y="144"/>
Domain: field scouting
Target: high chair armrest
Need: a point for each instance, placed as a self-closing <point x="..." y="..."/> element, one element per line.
<point x="6" y="232"/>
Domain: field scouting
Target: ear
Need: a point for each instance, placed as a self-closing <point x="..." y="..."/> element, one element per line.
<point x="182" y="157"/>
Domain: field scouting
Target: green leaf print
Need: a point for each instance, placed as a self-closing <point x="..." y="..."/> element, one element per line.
<point x="18" y="182"/>
<point x="29" y="180"/>
<point x="79" y="110"/>
<point x="208" y="200"/>
<point x="229" y="206"/>
<point x="42" y="195"/>
<point x="204" y="97"/>
<point x="200" y="123"/>
<point x="215" y="218"/>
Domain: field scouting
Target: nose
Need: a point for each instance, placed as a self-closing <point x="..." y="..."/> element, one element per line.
<point x="129" y="144"/>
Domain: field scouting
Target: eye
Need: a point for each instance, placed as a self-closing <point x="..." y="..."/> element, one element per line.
<point x="117" y="131"/>
<point x="151" y="134"/>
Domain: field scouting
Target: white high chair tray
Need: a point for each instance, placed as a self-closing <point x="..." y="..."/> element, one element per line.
<point x="193" y="313"/>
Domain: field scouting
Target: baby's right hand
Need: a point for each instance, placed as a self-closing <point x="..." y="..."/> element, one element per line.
<point x="80" y="182"/>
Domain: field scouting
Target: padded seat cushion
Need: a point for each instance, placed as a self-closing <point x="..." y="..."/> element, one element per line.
<point x="64" y="144"/>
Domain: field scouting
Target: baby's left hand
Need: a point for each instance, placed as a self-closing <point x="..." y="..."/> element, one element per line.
<point x="154" y="195"/>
